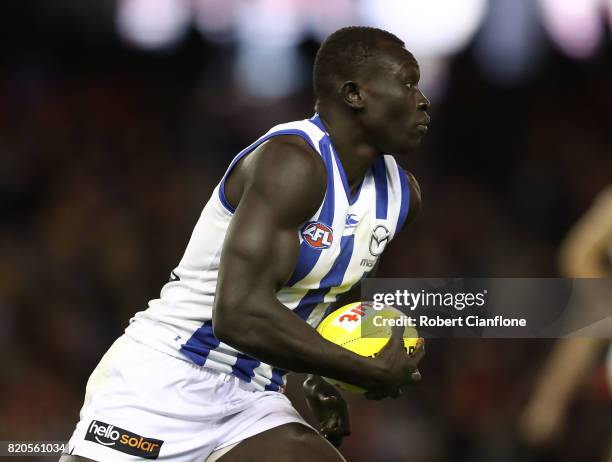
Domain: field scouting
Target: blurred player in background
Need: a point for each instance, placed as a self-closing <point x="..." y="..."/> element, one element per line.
<point x="586" y="253"/>
<point x="300" y="217"/>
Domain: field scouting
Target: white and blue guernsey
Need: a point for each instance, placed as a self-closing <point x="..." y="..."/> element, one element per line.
<point x="339" y="245"/>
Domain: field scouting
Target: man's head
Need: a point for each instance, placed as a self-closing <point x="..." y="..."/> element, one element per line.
<point x="369" y="73"/>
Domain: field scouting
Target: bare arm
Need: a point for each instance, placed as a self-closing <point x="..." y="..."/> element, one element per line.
<point x="582" y="255"/>
<point x="583" y="252"/>
<point x="283" y="183"/>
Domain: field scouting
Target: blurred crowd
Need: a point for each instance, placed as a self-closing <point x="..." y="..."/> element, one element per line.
<point x="107" y="156"/>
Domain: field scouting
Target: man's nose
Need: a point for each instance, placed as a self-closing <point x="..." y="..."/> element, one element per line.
<point x="423" y="103"/>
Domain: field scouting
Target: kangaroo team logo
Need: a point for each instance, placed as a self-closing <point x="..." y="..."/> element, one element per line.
<point x="351" y="220"/>
<point x="122" y="440"/>
<point x="317" y="235"/>
<point x="379" y="239"/>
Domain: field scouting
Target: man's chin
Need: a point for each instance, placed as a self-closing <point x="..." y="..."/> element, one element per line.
<point x="408" y="148"/>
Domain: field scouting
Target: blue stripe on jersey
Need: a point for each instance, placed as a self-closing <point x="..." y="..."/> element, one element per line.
<point x="331" y="308"/>
<point x="308" y="257"/>
<point x="379" y="169"/>
<point x="316" y="119"/>
<point x="277" y="380"/>
<point x="327" y="212"/>
<point x="333" y="278"/>
<point x="245" y="366"/>
<point x="200" y="343"/>
<point x="248" y="149"/>
<point x="403" y="213"/>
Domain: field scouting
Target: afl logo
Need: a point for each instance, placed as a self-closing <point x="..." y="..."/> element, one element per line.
<point x="379" y="239"/>
<point x="317" y="235"/>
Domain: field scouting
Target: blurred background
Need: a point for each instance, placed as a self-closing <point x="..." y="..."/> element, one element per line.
<point x="118" y="118"/>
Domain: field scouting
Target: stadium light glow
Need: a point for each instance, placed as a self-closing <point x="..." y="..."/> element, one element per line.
<point x="429" y="28"/>
<point x="216" y="20"/>
<point x="575" y="26"/>
<point x="509" y="44"/>
<point x="268" y="65"/>
<point x="153" y="24"/>
<point x="269" y="72"/>
<point x="322" y="17"/>
<point x="269" y="23"/>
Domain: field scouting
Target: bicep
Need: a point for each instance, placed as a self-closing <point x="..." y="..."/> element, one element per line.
<point x="284" y="187"/>
<point x="259" y="252"/>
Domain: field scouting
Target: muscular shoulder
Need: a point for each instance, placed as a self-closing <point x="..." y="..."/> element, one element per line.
<point x="415" y="198"/>
<point x="287" y="174"/>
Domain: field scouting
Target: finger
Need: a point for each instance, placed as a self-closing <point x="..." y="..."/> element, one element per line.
<point x="328" y="400"/>
<point x="413" y="377"/>
<point x="419" y="350"/>
<point x="343" y="425"/>
<point x="397" y="334"/>
<point x="332" y="434"/>
<point x="331" y="425"/>
<point x="396" y="340"/>
<point x="419" y="347"/>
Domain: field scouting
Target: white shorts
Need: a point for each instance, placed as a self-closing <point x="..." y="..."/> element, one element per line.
<point x="141" y="403"/>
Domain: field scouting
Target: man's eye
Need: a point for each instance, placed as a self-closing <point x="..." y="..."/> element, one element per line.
<point x="410" y="85"/>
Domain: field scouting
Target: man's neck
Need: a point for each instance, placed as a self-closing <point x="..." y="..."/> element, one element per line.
<point x="355" y="154"/>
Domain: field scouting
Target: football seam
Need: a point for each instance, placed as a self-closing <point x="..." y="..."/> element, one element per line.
<point x="356" y="340"/>
<point x="361" y="338"/>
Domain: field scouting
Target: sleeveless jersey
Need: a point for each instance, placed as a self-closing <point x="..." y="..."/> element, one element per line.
<point x="339" y="245"/>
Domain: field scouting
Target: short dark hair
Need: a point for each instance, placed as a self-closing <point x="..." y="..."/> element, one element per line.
<point x="343" y="52"/>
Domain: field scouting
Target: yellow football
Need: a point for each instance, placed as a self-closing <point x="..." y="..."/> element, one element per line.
<point x="364" y="330"/>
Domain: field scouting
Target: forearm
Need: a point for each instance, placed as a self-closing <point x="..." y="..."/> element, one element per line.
<point x="277" y="336"/>
<point x="569" y="362"/>
<point x="583" y="253"/>
<point x="579" y="260"/>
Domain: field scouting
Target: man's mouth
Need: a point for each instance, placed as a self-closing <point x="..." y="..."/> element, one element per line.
<point x="422" y="127"/>
<point x="425" y="121"/>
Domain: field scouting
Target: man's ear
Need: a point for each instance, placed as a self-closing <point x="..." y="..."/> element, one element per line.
<point x="351" y="95"/>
